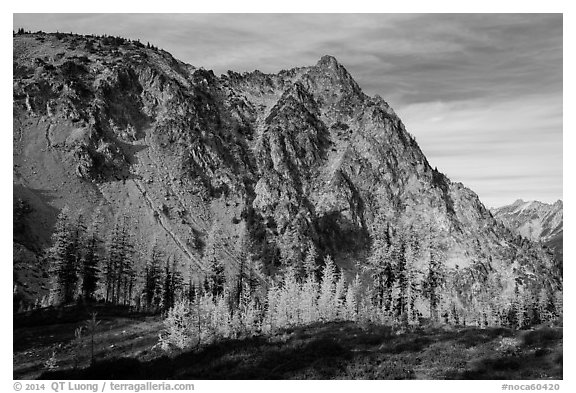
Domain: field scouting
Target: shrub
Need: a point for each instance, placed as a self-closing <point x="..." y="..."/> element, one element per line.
<point x="508" y="345"/>
<point x="78" y="341"/>
<point x="51" y="363"/>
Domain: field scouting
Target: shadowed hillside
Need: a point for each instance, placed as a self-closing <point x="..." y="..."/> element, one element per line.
<point x="345" y="351"/>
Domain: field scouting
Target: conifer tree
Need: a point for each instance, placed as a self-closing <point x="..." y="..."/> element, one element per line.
<point x="251" y="313"/>
<point x="126" y="271"/>
<point x="352" y="299"/>
<point x="326" y="303"/>
<point x="381" y="267"/>
<point x="167" y="294"/>
<point x="413" y="253"/>
<point x="433" y="282"/>
<point x="65" y="256"/>
<point x="152" y="277"/>
<point x="288" y="307"/>
<point x="255" y="272"/>
<point x="172" y="284"/>
<point x="378" y="261"/>
<point x="119" y="272"/>
<point x="310" y="289"/>
<point x="402" y="280"/>
<point x="215" y="279"/>
<point x="221" y="315"/>
<point x="545" y="307"/>
<point x="292" y="253"/>
<point x="244" y="273"/>
<point x="90" y="266"/>
<point x="192" y="292"/>
<point x="271" y="310"/>
<point x="340" y="295"/>
<point x="177" y="280"/>
<point x="310" y="260"/>
<point x="110" y="271"/>
<point x="516" y="312"/>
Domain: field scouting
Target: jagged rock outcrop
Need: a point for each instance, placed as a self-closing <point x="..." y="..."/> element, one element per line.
<point x="287" y="159"/>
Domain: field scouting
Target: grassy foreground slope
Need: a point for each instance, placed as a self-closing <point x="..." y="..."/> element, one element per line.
<point x="338" y="350"/>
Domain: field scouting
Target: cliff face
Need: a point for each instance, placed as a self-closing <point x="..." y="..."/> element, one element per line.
<point x="536" y="221"/>
<point x="286" y="160"/>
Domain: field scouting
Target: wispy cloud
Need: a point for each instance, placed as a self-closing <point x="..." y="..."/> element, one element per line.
<point x="482" y="93"/>
<point x="492" y="145"/>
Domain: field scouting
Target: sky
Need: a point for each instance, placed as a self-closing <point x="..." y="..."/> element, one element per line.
<point x="481" y="93"/>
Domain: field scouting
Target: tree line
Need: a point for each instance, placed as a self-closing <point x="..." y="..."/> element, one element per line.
<point x="84" y="266"/>
<point x="390" y="289"/>
<point x="404" y="281"/>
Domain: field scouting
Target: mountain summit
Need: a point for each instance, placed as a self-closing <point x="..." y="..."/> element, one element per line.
<point x="535" y="220"/>
<point x="270" y="164"/>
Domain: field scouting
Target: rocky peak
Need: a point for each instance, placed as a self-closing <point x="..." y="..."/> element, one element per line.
<point x="329" y="67"/>
<point x="328" y="62"/>
<point x="534" y="220"/>
<point x="518" y="202"/>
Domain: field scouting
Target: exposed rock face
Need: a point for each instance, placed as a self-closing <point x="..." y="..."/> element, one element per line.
<point x="290" y="158"/>
<point x="537" y="221"/>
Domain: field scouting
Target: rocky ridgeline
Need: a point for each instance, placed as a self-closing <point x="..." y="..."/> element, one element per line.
<point x="533" y="220"/>
<point x="286" y="160"/>
<point x="536" y="221"/>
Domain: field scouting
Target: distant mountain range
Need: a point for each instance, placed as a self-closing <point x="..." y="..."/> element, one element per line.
<point x="536" y="221"/>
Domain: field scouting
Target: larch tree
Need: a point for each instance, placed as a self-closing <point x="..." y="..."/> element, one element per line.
<point x="310" y="260"/>
<point x="326" y="303"/>
<point x="288" y="308"/>
<point x="352" y="300"/>
<point x="340" y="295"/>
<point x="271" y="307"/>
<point x="310" y="288"/>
